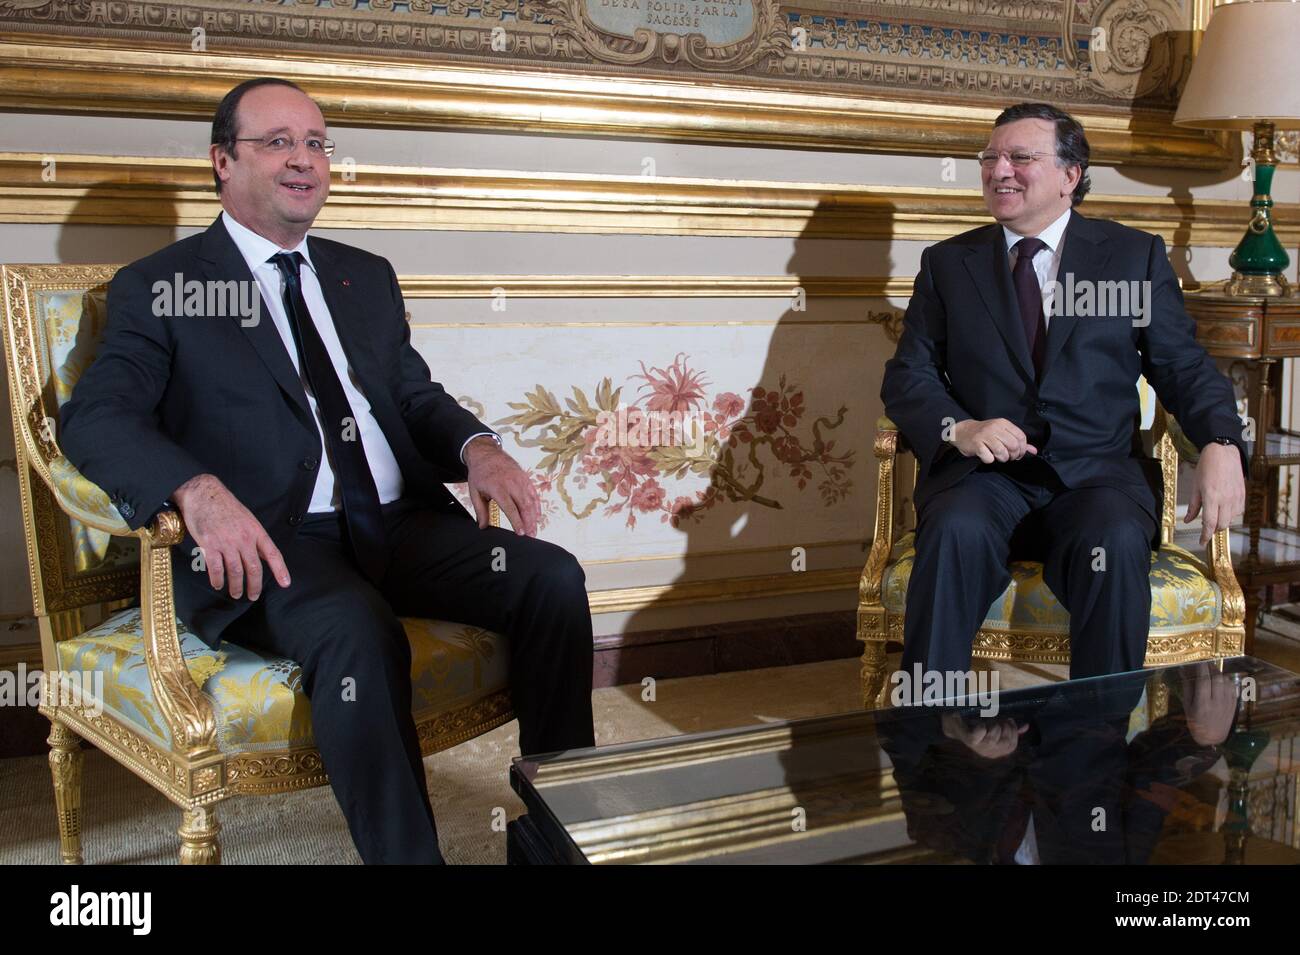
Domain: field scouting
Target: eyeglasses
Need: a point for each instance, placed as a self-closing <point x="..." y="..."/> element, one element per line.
<point x="988" y="158"/>
<point x="285" y="144"/>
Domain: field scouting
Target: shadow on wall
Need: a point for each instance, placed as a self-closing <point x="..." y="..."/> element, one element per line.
<point x="785" y="443"/>
<point x="83" y="241"/>
<point x="80" y="241"/>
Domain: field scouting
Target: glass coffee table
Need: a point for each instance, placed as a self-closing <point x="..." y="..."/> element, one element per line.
<point x="1154" y="766"/>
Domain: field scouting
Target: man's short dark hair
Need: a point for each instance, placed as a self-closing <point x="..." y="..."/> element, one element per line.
<point x="225" y="124"/>
<point x="1071" y="144"/>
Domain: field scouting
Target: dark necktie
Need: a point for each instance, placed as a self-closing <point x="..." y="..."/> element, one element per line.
<point x="351" y="469"/>
<point x="1030" y="298"/>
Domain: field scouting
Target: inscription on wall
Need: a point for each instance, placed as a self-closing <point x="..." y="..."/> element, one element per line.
<point x="718" y="21"/>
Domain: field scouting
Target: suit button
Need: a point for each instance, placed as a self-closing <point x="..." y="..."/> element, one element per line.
<point x="1042" y="407"/>
<point x="295" y="520"/>
<point x="309" y="464"/>
<point x="1047" y="456"/>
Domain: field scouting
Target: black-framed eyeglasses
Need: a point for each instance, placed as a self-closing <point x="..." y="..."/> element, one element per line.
<point x="1018" y="157"/>
<point x="286" y="144"/>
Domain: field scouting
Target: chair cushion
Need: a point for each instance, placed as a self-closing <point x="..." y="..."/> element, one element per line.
<point x="258" y="699"/>
<point x="1184" y="596"/>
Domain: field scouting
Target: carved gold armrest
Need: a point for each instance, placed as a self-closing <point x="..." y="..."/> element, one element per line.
<point x="1219" y="555"/>
<point x="1218" y="552"/>
<point x="886" y="451"/>
<point x="1186" y="450"/>
<point x="187" y="710"/>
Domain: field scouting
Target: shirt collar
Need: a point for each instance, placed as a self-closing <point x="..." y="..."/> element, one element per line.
<point x="257" y="249"/>
<point x="1051" y="236"/>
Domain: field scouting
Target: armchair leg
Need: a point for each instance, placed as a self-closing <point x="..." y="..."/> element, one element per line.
<point x="199" y="831"/>
<point x="873" y="673"/>
<point x="65" y="767"/>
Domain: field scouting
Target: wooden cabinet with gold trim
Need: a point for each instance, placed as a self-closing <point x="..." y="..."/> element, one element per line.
<point x="1262" y="333"/>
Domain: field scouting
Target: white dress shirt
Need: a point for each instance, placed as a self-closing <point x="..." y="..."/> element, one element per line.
<point x="1047" y="262"/>
<point x="383" y="464"/>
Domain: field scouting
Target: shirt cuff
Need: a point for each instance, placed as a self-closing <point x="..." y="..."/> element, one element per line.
<point x="481" y="434"/>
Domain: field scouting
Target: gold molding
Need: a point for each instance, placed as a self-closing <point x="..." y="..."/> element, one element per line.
<point x="28" y="654"/>
<point x="659" y="286"/>
<point x="725" y="589"/>
<point x="782" y="549"/>
<point x="139" y="190"/>
<point x="47" y="73"/>
<point x="643" y="756"/>
<point x="653" y="286"/>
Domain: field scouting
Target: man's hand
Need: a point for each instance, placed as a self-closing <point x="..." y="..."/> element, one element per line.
<point x="992" y="739"/>
<point x="1209" y="703"/>
<point x="994" y="440"/>
<point x="496" y="476"/>
<point x="232" y="541"/>
<point x="1219" y="491"/>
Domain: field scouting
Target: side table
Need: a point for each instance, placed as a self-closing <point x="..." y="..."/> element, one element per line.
<point x="1262" y="332"/>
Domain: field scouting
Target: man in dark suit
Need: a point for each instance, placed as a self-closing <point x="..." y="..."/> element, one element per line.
<point x="1015" y="383"/>
<point x="305" y="434"/>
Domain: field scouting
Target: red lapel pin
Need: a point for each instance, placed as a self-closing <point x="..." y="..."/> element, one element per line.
<point x="347" y="281"/>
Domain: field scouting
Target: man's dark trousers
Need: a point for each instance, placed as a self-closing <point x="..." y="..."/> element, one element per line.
<point x="356" y="660"/>
<point x="967" y="533"/>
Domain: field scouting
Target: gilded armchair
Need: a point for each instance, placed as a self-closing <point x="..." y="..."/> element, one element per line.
<point x="199" y="725"/>
<point x="1197" y="607"/>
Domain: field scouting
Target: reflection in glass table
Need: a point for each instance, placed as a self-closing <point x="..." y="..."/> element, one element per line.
<point x="1104" y="770"/>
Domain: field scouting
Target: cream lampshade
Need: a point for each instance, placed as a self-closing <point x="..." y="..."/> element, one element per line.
<point x="1246" y="75"/>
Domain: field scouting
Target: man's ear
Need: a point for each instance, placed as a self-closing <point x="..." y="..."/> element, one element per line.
<point x="1072" y="176"/>
<point x="220" y="159"/>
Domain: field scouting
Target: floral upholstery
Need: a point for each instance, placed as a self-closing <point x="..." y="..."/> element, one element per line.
<point x="87" y="500"/>
<point x="73" y="324"/>
<point x="258" y="700"/>
<point x="1184" y="596"/>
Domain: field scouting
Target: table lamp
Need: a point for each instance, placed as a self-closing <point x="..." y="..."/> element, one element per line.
<point x="1246" y="75"/>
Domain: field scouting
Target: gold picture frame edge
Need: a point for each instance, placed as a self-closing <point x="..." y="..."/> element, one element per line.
<point x="51" y="73"/>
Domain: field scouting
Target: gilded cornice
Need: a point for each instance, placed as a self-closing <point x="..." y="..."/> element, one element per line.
<point x="104" y="75"/>
<point x="140" y="190"/>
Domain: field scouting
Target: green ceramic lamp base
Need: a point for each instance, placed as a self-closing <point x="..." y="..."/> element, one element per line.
<point x="1259" y="260"/>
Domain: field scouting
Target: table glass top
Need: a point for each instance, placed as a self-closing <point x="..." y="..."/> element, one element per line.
<point x="1153" y="766"/>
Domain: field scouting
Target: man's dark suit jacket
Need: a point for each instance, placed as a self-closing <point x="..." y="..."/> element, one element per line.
<point x="169" y="398"/>
<point x="963" y="355"/>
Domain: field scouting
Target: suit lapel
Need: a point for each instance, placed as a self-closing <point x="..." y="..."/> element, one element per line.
<point x="348" y="316"/>
<point x="223" y="261"/>
<point x="1083" y="259"/>
<point x="350" y="312"/>
<point x="988" y="266"/>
